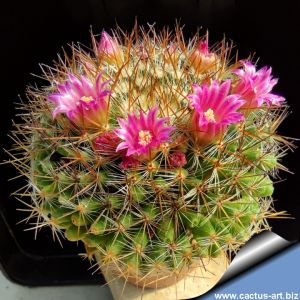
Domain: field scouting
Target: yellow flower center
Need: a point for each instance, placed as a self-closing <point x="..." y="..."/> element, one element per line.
<point x="87" y="98"/>
<point x="210" y="115"/>
<point x="145" y="137"/>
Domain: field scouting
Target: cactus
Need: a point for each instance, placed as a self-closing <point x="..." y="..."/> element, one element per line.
<point x="151" y="150"/>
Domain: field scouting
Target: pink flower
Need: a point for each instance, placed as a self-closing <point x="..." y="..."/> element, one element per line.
<point x="129" y="162"/>
<point x="177" y="159"/>
<point x="255" y="86"/>
<point x="201" y="59"/>
<point x="110" y="48"/>
<point x="107" y="143"/>
<point x="214" y="110"/>
<point x="142" y="134"/>
<point x="83" y="101"/>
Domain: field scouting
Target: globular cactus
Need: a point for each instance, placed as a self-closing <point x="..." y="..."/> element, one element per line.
<point x="153" y="151"/>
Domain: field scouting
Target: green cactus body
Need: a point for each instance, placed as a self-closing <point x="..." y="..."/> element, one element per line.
<point x="184" y="202"/>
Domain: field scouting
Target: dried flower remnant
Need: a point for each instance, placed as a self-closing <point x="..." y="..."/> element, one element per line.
<point x="177" y="159"/>
<point x="106" y="144"/>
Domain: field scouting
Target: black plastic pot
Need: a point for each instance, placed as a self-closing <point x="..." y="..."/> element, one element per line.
<point x="39" y="269"/>
<point x="34" y="32"/>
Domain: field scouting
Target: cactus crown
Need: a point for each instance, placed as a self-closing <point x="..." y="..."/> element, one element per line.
<point x="151" y="150"/>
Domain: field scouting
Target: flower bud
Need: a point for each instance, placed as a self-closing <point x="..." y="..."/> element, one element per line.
<point x="201" y="59"/>
<point x="109" y="49"/>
